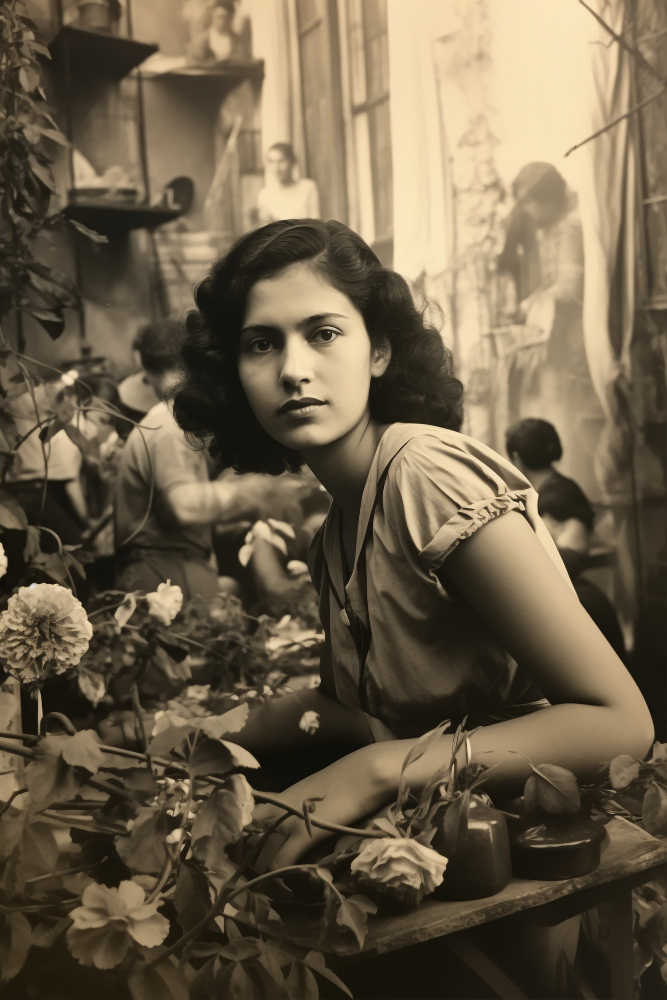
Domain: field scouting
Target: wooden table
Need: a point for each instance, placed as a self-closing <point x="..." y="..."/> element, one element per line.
<point x="630" y="858"/>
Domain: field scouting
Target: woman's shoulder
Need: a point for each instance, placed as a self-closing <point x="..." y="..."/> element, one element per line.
<point x="424" y="456"/>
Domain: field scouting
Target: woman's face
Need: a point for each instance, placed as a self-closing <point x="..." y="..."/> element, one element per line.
<point x="305" y="359"/>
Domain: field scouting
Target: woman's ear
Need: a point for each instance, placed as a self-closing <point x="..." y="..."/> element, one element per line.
<point x="380" y="358"/>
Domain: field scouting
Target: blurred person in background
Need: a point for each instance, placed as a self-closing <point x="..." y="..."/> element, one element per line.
<point x="284" y="197"/>
<point x="533" y="446"/>
<point x="165" y="503"/>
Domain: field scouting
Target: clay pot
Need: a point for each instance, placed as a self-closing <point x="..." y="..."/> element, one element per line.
<point x="94" y="15"/>
<point x="478" y="850"/>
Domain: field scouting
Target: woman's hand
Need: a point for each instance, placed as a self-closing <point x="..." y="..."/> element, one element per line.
<point x="352" y="788"/>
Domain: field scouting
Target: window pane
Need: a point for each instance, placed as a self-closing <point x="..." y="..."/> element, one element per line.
<point x="380" y="134"/>
<point x="357" y="55"/>
<point x="377" y="49"/>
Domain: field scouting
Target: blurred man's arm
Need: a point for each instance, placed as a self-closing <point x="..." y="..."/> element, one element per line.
<point x="203" y="503"/>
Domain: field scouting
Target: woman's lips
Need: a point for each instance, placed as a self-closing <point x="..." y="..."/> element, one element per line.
<point x="300" y="408"/>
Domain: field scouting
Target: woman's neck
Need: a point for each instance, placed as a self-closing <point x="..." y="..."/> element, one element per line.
<point x="343" y="466"/>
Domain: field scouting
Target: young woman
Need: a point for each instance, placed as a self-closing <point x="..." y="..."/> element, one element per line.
<point x="442" y="594"/>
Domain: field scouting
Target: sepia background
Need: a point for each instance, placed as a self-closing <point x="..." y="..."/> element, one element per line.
<point x="413" y="118"/>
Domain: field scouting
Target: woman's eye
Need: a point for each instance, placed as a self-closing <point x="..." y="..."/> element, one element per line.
<point x="325" y="335"/>
<point x="261" y="346"/>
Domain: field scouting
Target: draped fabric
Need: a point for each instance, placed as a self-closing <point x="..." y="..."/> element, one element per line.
<point x="608" y="206"/>
<point x="423" y="225"/>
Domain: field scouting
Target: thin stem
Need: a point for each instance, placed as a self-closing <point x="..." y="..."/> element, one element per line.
<point x="323" y="825"/>
<point x="15" y="794"/>
<point x="136" y="705"/>
<point x="65" y="871"/>
<point x="219" y="903"/>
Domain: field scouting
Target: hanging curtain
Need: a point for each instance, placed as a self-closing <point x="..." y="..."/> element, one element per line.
<point x="423" y="217"/>
<point x="608" y="206"/>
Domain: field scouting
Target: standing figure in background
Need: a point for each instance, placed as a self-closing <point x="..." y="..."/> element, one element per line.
<point x="546" y="368"/>
<point x="534" y="446"/>
<point x="284" y="197"/>
<point x="213" y="38"/>
<point x="165" y="504"/>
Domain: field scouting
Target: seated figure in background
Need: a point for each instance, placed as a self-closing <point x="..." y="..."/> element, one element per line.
<point x="533" y="446"/>
<point x="164" y="503"/>
<point x="284" y="197"/>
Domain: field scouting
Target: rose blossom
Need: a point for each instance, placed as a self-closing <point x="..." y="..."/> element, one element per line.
<point x="165" y="602"/>
<point x="402" y="865"/>
<point x="109" y="920"/>
<point x="43" y="632"/>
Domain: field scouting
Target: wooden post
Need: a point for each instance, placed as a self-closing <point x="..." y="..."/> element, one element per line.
<point x="11" y="767"/>
<point x="619" y="909"/>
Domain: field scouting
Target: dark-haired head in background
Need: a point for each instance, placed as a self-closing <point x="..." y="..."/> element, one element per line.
<point x="534" y="445"/>
<point x="210" y="404"/>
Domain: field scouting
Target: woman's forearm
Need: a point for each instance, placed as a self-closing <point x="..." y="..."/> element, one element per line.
<point x="581" y="738"/>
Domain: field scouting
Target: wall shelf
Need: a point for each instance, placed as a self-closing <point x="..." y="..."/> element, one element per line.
<point x="224" y="76"/>
<point x="92" y="52"/>
<point x="118" y="219"/>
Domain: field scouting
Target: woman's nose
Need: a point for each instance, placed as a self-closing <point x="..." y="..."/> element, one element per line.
<point x="295" y="369"/>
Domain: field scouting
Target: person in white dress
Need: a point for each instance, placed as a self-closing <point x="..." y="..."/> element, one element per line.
<point x="283" y="197"/>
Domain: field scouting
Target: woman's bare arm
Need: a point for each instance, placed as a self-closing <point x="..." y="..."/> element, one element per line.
<point x="596" y="712"/>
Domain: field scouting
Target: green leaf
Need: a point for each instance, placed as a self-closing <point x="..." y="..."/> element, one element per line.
<point x="83" y="750"/>
<point x="301" y="983"/>
<point x="11" y="829"/>
<point x="210" y="757"/>
<point x="623" y="770"/>
<point x="15" y="941"/>
<point x="191" y="897"/>
<point x="553" y="789"/>
<point x="654" y="809"/>
<point x="168" y="739"/>
<point x="39" y="850"/>
<point x="315" y="960"/>
<point x="354" y="917"/>
<point x="233" y="721"/>
<point x="45" y="936"/>
<point x="144" y="850"/>
<point x="89" y="233"/>
<point x="220" y="820"/>
<point x="50" y="778"/>
<point x="164" y="982"/>
<point x="173" y="670"/>
<point x="56" y="136"/>
<point x="12" y="515"/>
<point x="52" y="320"/>
<point x="32" y="548"/>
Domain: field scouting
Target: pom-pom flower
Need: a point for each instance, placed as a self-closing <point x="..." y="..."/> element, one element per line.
<point x="109" y="920"/>
<point x="43" y="632"/>
<point x="4" y="563"/>
<point x="165" y="602"/>
<point x="404" y="867"/>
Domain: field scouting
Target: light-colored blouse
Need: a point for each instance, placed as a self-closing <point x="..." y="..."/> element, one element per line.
<point x="399" y="643"/>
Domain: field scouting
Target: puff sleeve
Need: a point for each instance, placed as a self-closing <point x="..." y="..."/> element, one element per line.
<point x="440" y="493"/>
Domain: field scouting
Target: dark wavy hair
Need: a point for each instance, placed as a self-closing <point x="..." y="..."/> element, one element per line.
<point x="535" y="441"/>
<point x="210" y="404"/>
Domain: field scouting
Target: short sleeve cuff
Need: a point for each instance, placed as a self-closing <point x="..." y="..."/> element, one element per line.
<point x="465" y="523"/>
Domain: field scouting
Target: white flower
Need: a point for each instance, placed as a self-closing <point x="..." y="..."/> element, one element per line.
<point x="197" y="692"/>
<point x="109" y="920"/>
<point x="165" y="602"/>
<point x="310" y="722"/>
<point x="43" y="632"/>
<point x="400" y="864"/>
<point x="4" y="562"/>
